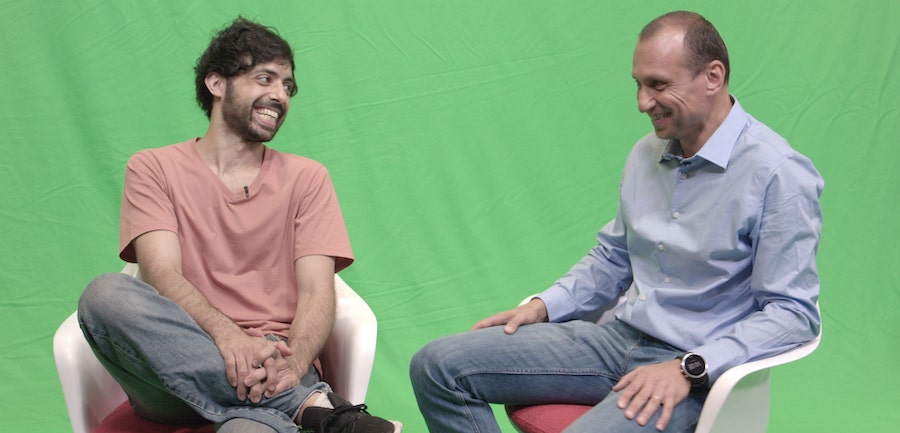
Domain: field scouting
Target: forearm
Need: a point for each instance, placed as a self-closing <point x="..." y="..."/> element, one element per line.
<point x="311" y="330"/>
<point x="314" y="316"/>
<point x="765" y="333"/>
<point x="159" y="257"/>
<point x="595" y="282"/>
<point x="174" y="286"/>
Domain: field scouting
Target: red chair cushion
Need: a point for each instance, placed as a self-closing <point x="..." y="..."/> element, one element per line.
<point x="544" y="418"/>
<point x="124" y="420"/>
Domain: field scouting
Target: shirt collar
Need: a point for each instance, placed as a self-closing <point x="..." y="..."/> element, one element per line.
<point x="718" y="147"/>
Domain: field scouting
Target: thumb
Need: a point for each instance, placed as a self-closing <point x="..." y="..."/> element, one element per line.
<point x="513" y="325"/>
<point x="283" y="348"/>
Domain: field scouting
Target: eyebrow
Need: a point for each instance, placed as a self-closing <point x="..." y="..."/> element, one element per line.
<point x="651" y="78"/>
<point x="274" y="73"/>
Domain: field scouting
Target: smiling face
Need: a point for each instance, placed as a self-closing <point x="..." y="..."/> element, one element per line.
<point x="255" y="103"/>
<point x="674" y="96"/>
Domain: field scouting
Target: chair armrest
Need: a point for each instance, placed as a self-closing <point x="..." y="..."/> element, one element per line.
<point x="743" y="386"/>
<point x="739" y="399"/>
<point x="733" y="375"/>
<point x="349" y="353"/>
<point x="89" y="391"/>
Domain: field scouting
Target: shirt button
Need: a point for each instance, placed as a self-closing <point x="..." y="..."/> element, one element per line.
<point x="661" y="247"/>
<point x="667" y="280"/>
<point x="684" y="175"/>
<point x="643" y="297"/>
<point x="676" y="214"/>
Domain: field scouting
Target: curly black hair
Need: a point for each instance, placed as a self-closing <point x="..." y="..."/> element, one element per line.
<point x="235" y="50"/>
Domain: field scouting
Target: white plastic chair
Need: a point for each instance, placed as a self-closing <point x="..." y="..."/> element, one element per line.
<point x="91" y="393"/>
<point x="738" y="402"/>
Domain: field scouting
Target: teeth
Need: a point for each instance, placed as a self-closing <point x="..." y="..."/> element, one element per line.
<point x="267" y="112"/>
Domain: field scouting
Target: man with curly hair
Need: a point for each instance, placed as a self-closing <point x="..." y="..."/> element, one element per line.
<point x="238" y="244"/>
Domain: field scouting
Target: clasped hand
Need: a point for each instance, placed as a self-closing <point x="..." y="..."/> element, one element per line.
<point x="258" y="367"/>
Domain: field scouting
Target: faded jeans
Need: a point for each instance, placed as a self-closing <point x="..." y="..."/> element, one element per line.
<point x="456" y="377"/>
<point x="170" y="368"/>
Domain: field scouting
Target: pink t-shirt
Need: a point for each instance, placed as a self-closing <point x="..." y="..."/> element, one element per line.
<point x="238" y="248"/>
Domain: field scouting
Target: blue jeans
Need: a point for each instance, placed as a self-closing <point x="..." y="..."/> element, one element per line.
<point x="170" y="368"/>
<point x="455" y="378"/>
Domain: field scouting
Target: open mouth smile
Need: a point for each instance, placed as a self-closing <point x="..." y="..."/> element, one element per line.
<point x="659" y="118"/>
<point x="268" y="115"/>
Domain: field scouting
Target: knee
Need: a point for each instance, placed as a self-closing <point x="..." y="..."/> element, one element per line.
<point x="434" y="362"/>
<point x="243" y="425"/>
<point x="105" y="295"/>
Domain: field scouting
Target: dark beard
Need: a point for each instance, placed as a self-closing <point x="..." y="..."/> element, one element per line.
<point x="239" y="119"/>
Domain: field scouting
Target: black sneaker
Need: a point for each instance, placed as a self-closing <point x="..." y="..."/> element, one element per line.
<point x="344" y="418"/>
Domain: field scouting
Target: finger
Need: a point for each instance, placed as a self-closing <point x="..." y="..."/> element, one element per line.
<point x="634" y="398"/>
<point x="256" y="376"/>
<point x="231" y="370"/>
<point x="650" y="407"/>
<point x="495" y="320"/>
<point x="264" y="354"/>
<point x="627" y="391"/>
<point x="283" y="348"/>
<point x="255" y="392"/>
<point x="666" y="416"/>
<point x="243" y="370"/>
<point x="512" y="325"/>
<point x="272" y="373"/>
<point x="286" y="382"/>
<point x="623" y="383"/>
<point x="255" y="384"/>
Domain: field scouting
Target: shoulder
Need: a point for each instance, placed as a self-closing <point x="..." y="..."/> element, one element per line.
<point x="763" y="142"/>
<point x="296" y="165"/>
<point x="771" y="159"/>
<point x="161" y="155"/>
<point x="769" y="151"/>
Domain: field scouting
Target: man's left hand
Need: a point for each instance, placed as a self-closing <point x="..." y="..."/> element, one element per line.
<point x="274" y="374"/>
<point x="646" y="389"/>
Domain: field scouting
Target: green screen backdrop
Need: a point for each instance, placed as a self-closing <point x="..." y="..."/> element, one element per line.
<point x="476" y="148"/>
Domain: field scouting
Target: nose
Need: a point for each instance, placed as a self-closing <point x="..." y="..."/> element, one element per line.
<point x="281" y="95"/>
<point x="645" y="100"/>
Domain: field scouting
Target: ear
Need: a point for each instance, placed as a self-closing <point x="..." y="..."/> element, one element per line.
<point x="215" y="83"/>
<point x="715" y="76"/>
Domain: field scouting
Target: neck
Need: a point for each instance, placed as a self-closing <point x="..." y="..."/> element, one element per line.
<point x="721" y="106"/>
<point x="223" y="151"/>
<point x="226" y="157"/>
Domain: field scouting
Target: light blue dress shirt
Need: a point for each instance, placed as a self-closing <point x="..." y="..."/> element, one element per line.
<point x="716" y="253"/>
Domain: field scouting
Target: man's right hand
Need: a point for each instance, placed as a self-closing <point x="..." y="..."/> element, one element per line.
<point x="244" y="355"/>
<point x="532" y="312"/>
<point x="276" y="372"/>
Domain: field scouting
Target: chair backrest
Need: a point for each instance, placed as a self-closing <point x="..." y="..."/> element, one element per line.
<point x="90" y="392"/>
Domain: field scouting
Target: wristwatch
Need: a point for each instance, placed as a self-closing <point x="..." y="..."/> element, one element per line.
<point x="693" y="366"/>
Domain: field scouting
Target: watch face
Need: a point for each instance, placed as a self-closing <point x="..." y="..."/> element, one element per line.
<point x="694" y="365"/>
